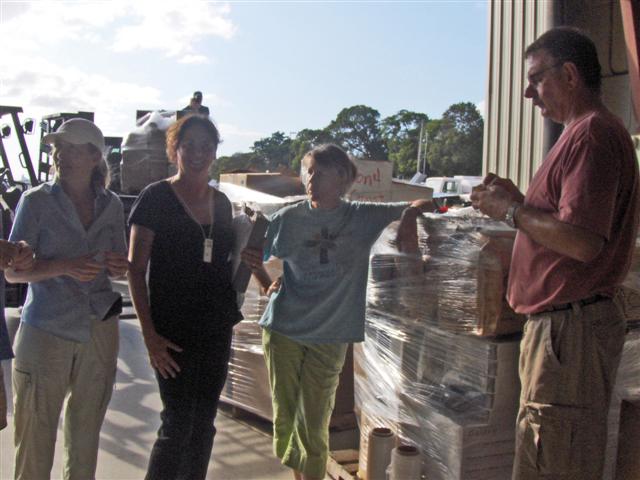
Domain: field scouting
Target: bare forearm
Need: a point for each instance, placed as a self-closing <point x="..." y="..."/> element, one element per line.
<point x="263" y="278"/>
<point x="140" y="299"/>
<point x="560" y="237"/>
<point x="423" y="205"/>
<point x="42" y="270"/>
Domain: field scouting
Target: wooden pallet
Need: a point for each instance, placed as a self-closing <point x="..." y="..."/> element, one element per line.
<point x="343" y="464"/>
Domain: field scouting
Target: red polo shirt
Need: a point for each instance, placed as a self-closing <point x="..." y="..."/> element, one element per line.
<point x="588" y="179"/>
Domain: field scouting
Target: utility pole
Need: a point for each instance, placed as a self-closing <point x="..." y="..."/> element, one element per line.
<point x="419" y="159"/>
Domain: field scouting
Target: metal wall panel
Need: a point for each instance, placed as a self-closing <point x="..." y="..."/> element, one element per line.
<point x="516" y="137"/>
<point x="514" y="133"/>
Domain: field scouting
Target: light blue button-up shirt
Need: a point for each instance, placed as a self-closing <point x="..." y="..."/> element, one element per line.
<point x="47" y="220"/>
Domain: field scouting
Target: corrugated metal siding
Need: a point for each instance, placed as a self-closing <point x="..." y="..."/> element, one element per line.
<point x="513" y="133"/>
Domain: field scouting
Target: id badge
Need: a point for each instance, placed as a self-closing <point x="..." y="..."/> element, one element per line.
<point x="208" y="250"/>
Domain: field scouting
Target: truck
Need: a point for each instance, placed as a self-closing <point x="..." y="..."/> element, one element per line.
<point x="453" y="188"/>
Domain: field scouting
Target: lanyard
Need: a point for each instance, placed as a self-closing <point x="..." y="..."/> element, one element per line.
<point x="207" y="247"/>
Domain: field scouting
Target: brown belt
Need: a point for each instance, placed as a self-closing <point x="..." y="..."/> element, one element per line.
<point x="567" y="306"/>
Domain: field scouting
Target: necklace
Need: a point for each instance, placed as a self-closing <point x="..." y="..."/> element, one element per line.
<point x="207" y="247"/>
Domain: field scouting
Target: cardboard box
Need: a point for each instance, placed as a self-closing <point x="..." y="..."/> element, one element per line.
<point x="471" y="270"/>
<point x="272" y="183"/>
<point x="254" y="239"/>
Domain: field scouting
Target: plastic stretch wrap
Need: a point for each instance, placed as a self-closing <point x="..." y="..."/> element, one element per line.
<point x="627" y="388"/>
<point x="144" y="157"/>
<point x="424" y="370"/>
<point x="458" y="284"/>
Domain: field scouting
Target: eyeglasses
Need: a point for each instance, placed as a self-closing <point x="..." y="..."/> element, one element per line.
<point x="535" y="78"/>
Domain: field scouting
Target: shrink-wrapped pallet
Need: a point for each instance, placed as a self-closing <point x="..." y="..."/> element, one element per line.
<point x="433" y="367"/>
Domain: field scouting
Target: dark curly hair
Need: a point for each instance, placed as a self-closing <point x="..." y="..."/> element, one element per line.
<point x="175" y="133"/>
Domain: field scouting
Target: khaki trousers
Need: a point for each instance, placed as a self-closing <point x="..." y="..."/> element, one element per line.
<point x="568" y="363"/>
<point x="47" y="369"/>
<point x="3" y="401"/>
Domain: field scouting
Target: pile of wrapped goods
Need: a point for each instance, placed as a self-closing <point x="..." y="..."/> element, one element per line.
<point x="144" y="157"/>
<point x="622" y="461"/>
<point x="439" y="365"/>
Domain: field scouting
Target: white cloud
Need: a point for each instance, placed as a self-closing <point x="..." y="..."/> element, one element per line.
<point x="194" y="59"/>
<point x="43" y="87"/>
<point x="481" y="106"/>
<point x="172" y="28"/>
<point x="38" y="74"/>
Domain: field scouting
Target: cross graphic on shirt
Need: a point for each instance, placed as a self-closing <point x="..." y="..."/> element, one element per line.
<point x="324" y="242"/>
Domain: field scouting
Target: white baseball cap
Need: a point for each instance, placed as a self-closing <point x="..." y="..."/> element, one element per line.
<point x="77" y="131"/>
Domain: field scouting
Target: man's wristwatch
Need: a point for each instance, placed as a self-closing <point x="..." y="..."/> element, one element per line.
<point x="510" y="217"/>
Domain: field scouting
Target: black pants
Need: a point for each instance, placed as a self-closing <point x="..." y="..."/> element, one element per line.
<point x="190" y="401"/>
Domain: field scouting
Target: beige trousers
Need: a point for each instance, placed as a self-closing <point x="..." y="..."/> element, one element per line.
<point x="568" y="363"/>
<point x="46" y="371"/>
<point x="3" y="401"/>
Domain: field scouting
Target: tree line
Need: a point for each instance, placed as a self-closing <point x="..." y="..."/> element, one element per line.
<point x="452" y="145"/>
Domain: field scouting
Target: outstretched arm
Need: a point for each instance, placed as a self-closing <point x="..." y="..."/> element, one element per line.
<point x="407" y="235"/>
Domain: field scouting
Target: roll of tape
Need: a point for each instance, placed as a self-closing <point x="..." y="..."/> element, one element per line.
<point x="381" y="442"/>
<point x="405" y="463"/>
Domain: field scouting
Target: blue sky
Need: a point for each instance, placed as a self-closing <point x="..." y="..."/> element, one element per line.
<point x="263" y="66"/>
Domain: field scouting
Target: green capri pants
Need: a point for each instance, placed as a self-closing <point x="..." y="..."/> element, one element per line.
<point x="303" y="378"/>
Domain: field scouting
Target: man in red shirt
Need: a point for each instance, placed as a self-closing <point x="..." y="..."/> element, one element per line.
<point x="577" y="227"/>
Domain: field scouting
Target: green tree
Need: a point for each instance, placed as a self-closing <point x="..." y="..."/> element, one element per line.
<point x="454" y="145"/>
<point x="357" y="129"/>
<point x="273" y="151"/>
<point x="401" y="133"/>
<point x="237" y="161"/>
<point x="304" y="141"/>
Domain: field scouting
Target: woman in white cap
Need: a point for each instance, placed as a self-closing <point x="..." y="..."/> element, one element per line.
<point x="67" y="344"/>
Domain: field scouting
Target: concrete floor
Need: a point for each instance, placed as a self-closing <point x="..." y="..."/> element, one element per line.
<point x="242" y="448"/>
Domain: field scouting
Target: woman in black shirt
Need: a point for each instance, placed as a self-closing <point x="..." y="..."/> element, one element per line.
<point x="181" y="228"/>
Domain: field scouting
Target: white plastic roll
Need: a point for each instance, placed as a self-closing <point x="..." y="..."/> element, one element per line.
<point x="405" y="463"/>
<point x="381" y="442"/>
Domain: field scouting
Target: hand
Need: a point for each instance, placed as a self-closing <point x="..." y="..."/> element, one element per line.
<point x="274" y="287"/>
<point x="252" y="257"/>
<point x="116" y="263"/>
<point x="84" y="268"/>
<point x="8" y="252"/>
<point x="159" y="356"/>
<point x="492" y="200"/>
<point x="25" y="258"/>
<point x="506" y="184"/>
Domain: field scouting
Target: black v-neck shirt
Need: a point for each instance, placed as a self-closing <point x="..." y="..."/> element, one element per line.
<point x="189" y="298"/>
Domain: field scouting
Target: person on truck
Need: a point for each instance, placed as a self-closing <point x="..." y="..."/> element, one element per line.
<point x="67" y="342"/>
<point x="319" y="306"/>
<point x="181" y="230"/>
<point x="195" y="105"/>
<point x="18" y="256"/>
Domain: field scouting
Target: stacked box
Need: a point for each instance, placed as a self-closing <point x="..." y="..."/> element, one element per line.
<point x="433" y="366"/>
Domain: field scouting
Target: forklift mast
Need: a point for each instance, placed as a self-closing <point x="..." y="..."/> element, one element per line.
<point x="20" y="129"/>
